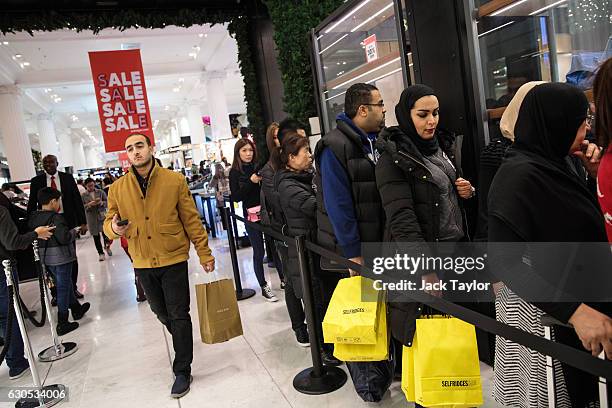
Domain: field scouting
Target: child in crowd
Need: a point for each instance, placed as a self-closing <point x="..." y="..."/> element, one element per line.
<point x="57" y="254"/>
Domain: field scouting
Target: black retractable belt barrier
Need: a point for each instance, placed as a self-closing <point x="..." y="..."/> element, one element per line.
<point x="566" y="354"/>
<point x="241" y="293"/>
<point x="318" y="379"/>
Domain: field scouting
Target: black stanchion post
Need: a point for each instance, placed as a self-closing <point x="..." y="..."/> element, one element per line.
<point x="234" y="225"/>
<point x="59" y="349"/>
<point x="318" y="379"/>
<point x="45" y="396"/>
<point x="241" y="293"/>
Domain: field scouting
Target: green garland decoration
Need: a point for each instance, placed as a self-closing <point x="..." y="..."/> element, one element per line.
<point x="97" y="20"/>
<point x="239" y="29"/>
<point x="293" y="20"/>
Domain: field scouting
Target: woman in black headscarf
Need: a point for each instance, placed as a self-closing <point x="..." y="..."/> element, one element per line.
<point x="536" y="197"/>
<point x="420" y="186"/>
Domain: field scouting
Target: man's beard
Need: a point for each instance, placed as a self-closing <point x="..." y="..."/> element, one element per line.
<point x="145" y="164"/>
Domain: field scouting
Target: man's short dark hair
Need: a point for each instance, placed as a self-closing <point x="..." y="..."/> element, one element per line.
<point x="357" y="95"/>
<point x="88" y="180"/>
<point x="45" y="195"/>
<point x="6" y="186"/>
<point x="140" y="134"/>
<point x="288" y="125"/>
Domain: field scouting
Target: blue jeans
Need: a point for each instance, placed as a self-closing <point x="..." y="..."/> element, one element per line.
<point x="257" y="242"/>
<point x="15" y="359"/>
<point x="63" y="283"/>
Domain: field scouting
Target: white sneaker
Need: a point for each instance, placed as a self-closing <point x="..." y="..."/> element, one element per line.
<point x="101" y="257"/>
<point x="266" y="292"/>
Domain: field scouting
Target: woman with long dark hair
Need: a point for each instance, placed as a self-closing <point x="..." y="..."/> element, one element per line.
<point x="245" y="188"/>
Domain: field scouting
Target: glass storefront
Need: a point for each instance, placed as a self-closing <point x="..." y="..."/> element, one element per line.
<point x="360" y="44"/>
<point x="547" y="40"/>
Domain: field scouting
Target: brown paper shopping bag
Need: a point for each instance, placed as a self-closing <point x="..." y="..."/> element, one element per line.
<point x="218" y="311"/>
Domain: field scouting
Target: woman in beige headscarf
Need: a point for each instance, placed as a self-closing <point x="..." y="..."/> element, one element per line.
<point x="520" y="373"/>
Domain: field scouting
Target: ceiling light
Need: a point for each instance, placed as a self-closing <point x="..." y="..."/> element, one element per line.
<point x="547" y="7"/>
<point x="372" y="17"/>
<point x="47" y="90"/>
<point x="56" y="100"/>
<point x="176" y="89"/>
<point x="181" y="80"/>
<point x="504" y="9"/>
<point x="346" y="16"/>
<point x="18" y="55"/>
<point x="332" y="44"/>
<point x="26" y="64"/>
<point x="496" y="28"/>
<point x="200" y="35"/>
<point x="193" y="55"/>
<point x="366" y="73"/>
<point x="5" y="42"/>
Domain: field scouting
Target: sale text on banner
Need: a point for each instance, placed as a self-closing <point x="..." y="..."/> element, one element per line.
<point x="122" y="96"/>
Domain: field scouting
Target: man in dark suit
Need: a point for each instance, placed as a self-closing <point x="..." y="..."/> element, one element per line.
<point x="71" y="204"/>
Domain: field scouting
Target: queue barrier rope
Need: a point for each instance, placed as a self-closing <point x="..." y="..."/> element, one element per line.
<point x="566" y="354"/>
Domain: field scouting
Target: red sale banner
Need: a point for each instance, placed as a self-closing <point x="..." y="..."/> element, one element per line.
<point x="122" y="96"/>
<point x="124" y="161"/>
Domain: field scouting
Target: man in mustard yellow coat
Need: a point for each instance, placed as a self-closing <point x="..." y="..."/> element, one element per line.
<point x="153" y="208"/>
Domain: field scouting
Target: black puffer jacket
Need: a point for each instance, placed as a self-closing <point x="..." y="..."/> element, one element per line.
<point x="410" y="201"/>
<point x="299" y="206"/>
<point x="242" y="188"/>
<point x="271" y="210"/>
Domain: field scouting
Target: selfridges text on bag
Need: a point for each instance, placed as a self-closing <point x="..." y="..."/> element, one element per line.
<point x="442" y="369"/>
<point x="368" y="352"/>
<point x="218" y="311"/>
<point x="352" y="314"/>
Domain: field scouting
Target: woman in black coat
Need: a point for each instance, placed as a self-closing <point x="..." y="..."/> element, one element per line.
<point x="294" y="183"/>
<point x="420" y="186"/>
<point x="244" y="185"/>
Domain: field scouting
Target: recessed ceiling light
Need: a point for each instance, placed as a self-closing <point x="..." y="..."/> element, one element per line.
<point x="26" y="64"/>
<point x="18" y="55"/>
<point x="56" y="100"/>
<point x="176" y="89"/>
<point x="5" y="42"/>
<point x="193" y="55"/>
<point x="47" y="90"/>
<point x="200" y="35"/>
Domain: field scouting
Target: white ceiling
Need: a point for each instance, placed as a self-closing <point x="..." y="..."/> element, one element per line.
<point x="58" y="66"/>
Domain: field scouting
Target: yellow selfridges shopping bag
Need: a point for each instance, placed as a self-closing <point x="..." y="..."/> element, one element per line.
<point x="368" y="352"/>
<point x="442" y="369"/>
<point x="352" y="314"/>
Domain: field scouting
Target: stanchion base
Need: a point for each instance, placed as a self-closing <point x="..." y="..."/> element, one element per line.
<point x="333" y="379"/>
<point x="245" y="294"/>
<point x="54" y="394"/>
<point x="48" y="355"/>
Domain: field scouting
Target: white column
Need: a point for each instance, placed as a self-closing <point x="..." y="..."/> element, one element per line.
<point x="79" y="153"/>
<point x="219" y="114"/>
<point x="47" y="138"/>
<point x="66" y="155"/>
<point x="12" y="127"/>
<point x="91" y="157"/>
<point x="196" y="128"/>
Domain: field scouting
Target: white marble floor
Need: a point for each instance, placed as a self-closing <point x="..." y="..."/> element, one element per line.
<point x="124" y="356"/>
